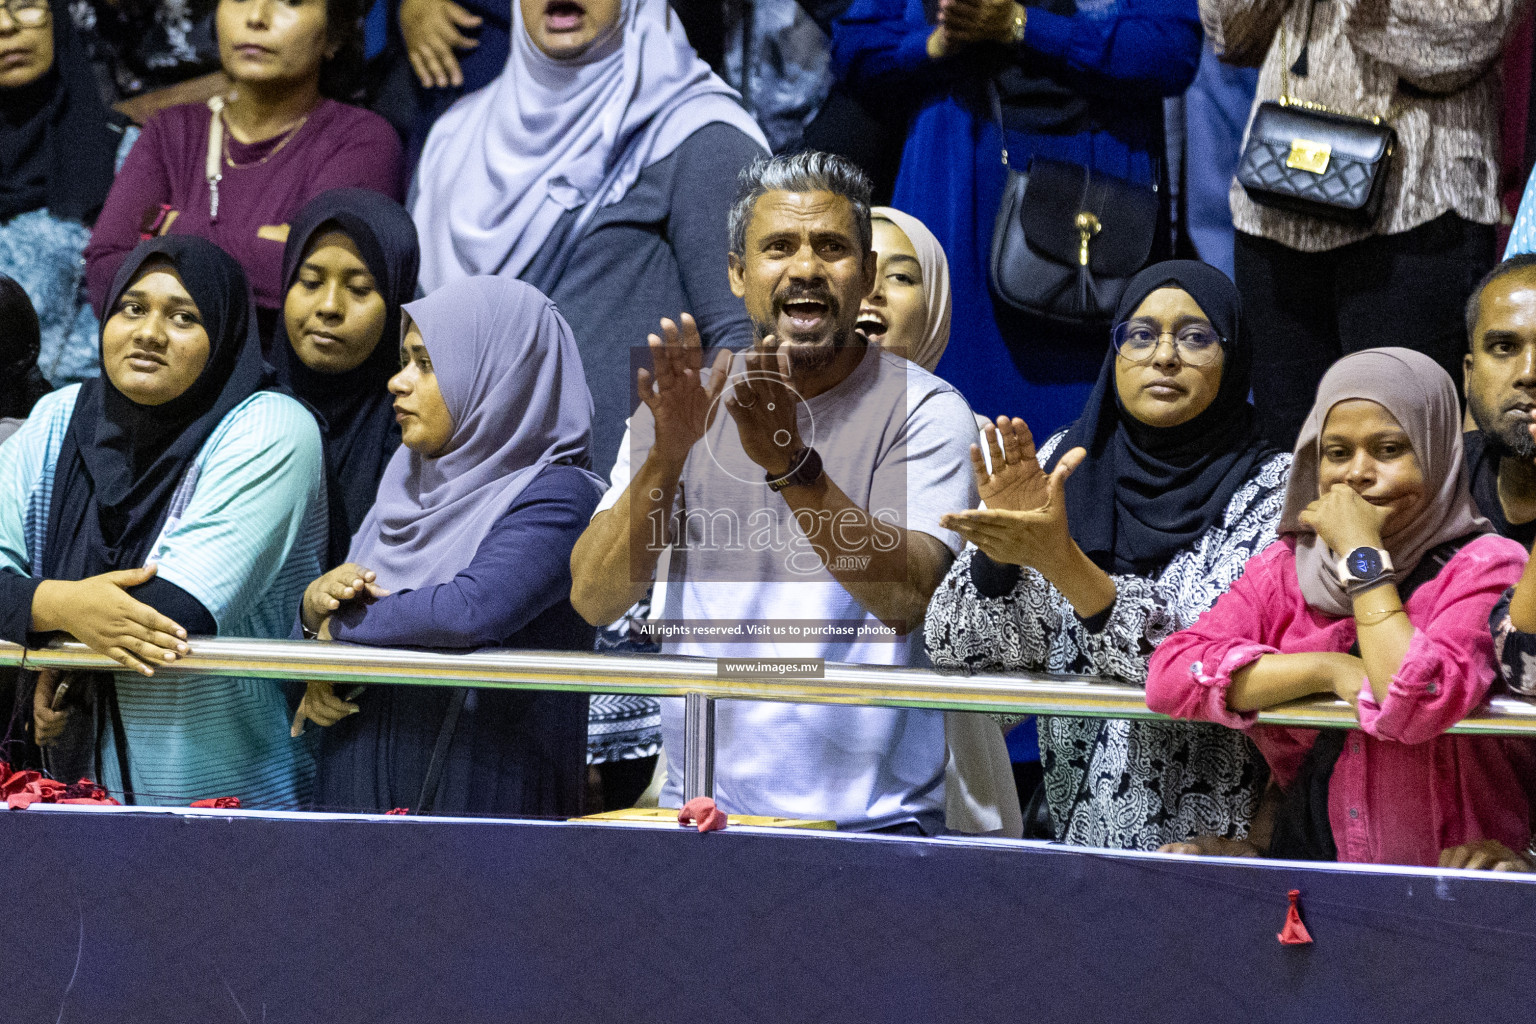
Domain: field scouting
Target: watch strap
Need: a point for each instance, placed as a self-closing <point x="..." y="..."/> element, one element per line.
<point x="1353" y="583"/>
<point x="804" y="468"/>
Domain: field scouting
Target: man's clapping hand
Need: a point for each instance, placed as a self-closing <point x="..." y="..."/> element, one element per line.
<point x="681" y="402"/>
<point x="765" y="407"/>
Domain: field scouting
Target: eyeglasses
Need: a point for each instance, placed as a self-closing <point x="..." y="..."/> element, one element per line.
<point x="26" y="13"/>
<point x="1197" y="343"/>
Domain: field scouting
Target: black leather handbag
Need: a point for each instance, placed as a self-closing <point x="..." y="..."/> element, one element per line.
<point x="1307" y="159"/>
<point x="1317" y="162"/>
<point x="1068" y="240"/>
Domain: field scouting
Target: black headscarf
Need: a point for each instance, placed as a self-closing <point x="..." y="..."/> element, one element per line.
<point x="121" y="462"/>
<point x="58" y="140"/>
<point x="20" y="340"/>
<point x="357" y="419"/>
<point x="1144" y="493"/>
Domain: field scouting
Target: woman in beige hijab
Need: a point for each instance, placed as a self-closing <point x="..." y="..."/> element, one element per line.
<point x="1379" y="591"/>
<point x="908" y="311"/>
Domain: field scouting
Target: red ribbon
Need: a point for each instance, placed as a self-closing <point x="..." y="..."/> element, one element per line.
<point x="1294" y="933"/>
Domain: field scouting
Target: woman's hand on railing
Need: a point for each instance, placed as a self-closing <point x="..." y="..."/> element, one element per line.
<point x="349" y="582"/>
<point x="1212" y="846"/>
<point x="321" y="706"/>
<point x="99" y="612"/>
<point x="1484" y="855"/>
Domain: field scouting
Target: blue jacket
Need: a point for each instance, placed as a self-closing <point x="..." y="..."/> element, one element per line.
<point x="1123" y="56"/>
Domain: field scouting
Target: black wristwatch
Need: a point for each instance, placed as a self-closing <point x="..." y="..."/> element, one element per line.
<point x="804" y="468"/>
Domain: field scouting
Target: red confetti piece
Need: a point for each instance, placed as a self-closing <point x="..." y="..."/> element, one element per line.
<point x="223" y="803"/>
<point x="21" y="790"/>
<point x="1294" y="933"/>
<point x="399" y="810"/>
<point x="701" y="810"/>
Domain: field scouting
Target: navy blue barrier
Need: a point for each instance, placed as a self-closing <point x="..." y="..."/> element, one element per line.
<point x="130" y="916"/>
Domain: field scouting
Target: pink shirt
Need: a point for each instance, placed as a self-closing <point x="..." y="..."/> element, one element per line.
<point x="1402" y="790"/>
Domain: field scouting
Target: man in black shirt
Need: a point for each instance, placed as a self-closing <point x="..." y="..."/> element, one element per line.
<point x="1500" y="378"/>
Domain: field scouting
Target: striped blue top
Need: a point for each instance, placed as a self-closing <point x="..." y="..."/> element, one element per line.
<point x="246" y="533"/>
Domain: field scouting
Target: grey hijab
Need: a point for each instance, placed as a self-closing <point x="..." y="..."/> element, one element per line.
<point x="1420" y="396"/>
<point x="513" y="382"/>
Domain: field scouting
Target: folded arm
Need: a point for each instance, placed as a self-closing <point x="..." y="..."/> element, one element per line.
<point x="520" y="569"/>
<point x="1439" y="46"/>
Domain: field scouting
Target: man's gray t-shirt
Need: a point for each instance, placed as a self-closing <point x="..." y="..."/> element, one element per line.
<point x="896" y="440"/>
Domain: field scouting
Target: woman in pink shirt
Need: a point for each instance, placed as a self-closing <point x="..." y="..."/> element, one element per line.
<point x="1379" y="591"/>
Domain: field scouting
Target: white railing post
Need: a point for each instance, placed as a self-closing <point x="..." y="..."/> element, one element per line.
<point x="698" y="746"/>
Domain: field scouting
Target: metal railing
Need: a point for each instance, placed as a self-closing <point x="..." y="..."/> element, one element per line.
<point x="698" y="680"/>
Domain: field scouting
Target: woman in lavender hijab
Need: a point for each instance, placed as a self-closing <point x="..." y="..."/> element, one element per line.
<point x="599" y="166"/>
<point x="467" y="547"/>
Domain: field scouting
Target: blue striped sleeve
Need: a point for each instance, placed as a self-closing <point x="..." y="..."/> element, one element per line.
<point x="260" y="482"/>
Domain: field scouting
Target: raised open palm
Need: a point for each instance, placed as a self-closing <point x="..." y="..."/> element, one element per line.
<point x="1016" y="483"/>
<point x="680" y="402"/>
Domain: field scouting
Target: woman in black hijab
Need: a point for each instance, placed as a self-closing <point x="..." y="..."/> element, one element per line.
<point x="1124" y="528"/>
<point x="349" y="265"/>
<point x="176" y="494"/>
<point x="58" y="150"/>
<point x="19" y="339"/>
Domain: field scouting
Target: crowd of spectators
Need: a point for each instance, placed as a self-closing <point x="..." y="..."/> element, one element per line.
<point x="464" y="326"/>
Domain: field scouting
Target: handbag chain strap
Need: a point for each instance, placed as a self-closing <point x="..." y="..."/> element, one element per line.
<point x="1287" y="100"/>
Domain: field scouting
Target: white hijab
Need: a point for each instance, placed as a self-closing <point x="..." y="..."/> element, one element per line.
<point x="547" y="136"/>
<point x="935" y="265"/>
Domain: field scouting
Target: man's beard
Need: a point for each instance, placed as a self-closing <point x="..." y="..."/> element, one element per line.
<point x="809" y="355"/>
<point x="1512" y="441"/>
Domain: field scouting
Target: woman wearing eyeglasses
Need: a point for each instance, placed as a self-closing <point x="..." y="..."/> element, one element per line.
<point x="1122" y="529"/>
<point x="59" y="148"/>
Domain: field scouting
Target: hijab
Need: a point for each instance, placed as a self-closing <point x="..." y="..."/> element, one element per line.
<point x="936" y="294"/>
<point x="1145" y="493"/>
<point x="58" y="141"/>
<point x="510" y="374"/>
<point x="356" y="410"/>
<point x="507" y="161"/>
<point x="121" y="462"/>
<point x="21" y="339"/>
<point x="1422" y="398"/>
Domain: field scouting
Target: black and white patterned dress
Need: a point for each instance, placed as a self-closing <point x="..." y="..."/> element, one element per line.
<point x="1131" y="785"/>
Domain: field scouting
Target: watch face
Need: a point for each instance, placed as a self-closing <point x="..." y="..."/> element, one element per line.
<point x="1364" y="563"/>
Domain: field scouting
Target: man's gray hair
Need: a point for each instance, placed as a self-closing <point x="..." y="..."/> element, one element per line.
<point x="810" y="171"/>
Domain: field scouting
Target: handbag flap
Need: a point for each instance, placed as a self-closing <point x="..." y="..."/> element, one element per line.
<point x="1353" y="137"/>
<point x="1058" y="193"/>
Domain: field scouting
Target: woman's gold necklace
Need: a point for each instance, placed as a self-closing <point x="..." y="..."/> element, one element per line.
<point x="288" y="135"/>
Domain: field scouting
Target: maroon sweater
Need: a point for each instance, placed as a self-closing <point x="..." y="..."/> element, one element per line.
<point x="339" y="145"/>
